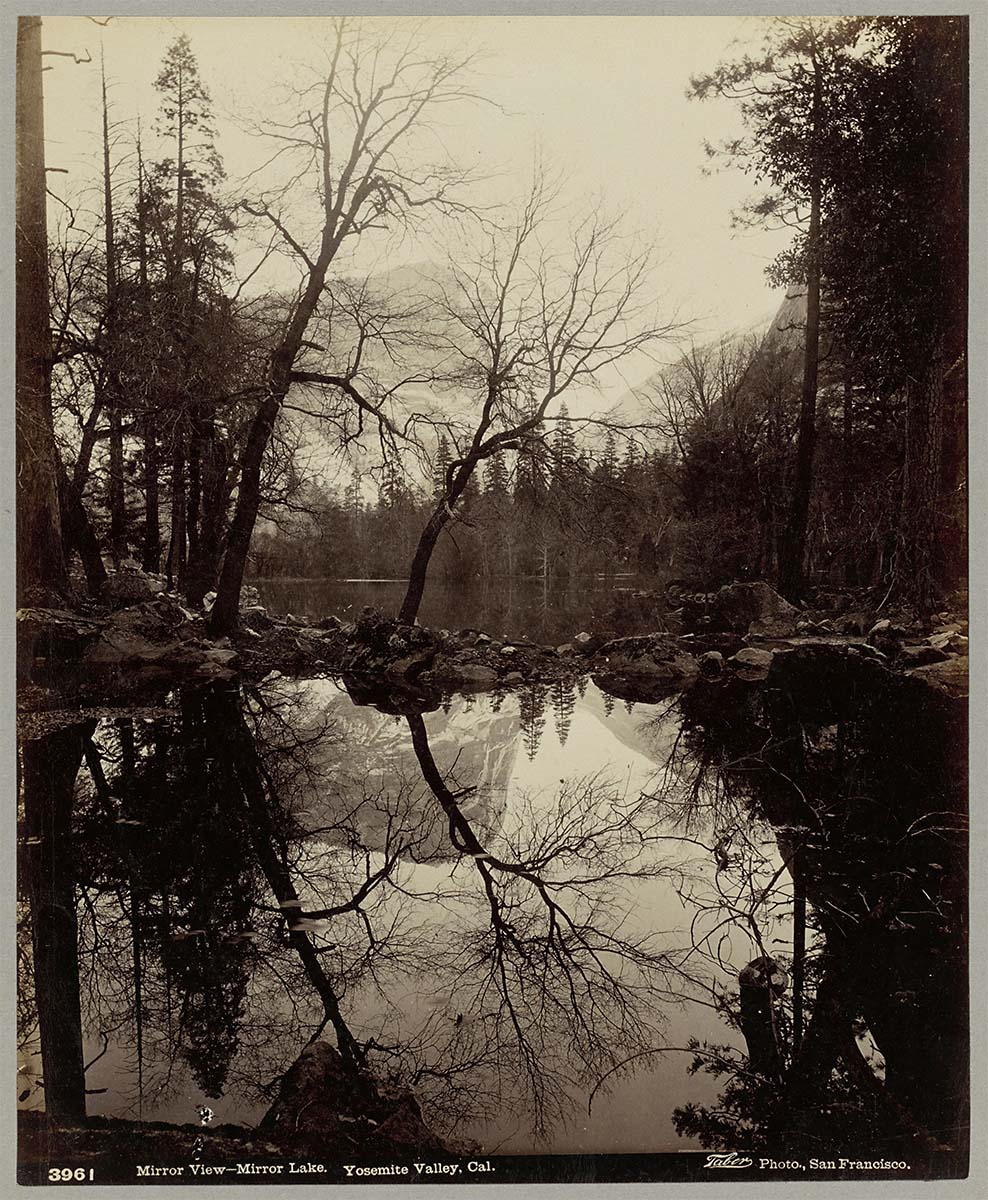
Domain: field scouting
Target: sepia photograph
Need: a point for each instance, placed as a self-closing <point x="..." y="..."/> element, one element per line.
<point x="492" y="599"/>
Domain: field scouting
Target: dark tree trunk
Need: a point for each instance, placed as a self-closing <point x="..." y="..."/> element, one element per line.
<point x="441" y="515"/>
<point x="204" y="564"/>
<point x="80" y="535"/>
<point x="118" y="515"/>
<point x="80" y="472"/>
<point x="194" y="489"/>
<point x="40" y="561"/>
<point x="237" y="749"/>
<point x="152" y="521"/>
<point x="847" y="480"/>
<point x="793" y="548"/>
<point x="118" y="518"/>
<point x="175" y="567"/>
<point x="50" y="765"/>
<point x="921" y="499"/>
<point x="226" y="609"/>
<point x="227" y="605"/>
<point x="420" y="565"/>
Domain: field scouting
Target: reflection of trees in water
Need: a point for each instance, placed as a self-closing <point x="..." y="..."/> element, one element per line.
<point x="226" y="918"/>
<point x="859" y="780"/>
<point x="556" y="984"/>
<point x="223" y="927"/>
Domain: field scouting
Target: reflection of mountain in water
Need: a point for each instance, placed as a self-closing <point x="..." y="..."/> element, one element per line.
<point x="646" y="729"/>
<point x="369" y="753"/>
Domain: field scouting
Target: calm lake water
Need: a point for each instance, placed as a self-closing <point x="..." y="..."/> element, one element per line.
<point x="509" y="897"/>
<point x="548" y="612"/>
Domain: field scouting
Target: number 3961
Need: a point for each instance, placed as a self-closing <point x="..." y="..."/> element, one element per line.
<point x="70" y="1175"/>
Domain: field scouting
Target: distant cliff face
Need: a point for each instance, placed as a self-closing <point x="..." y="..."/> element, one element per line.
<point x="372" y="773"/>
<point x="785" y="330"/>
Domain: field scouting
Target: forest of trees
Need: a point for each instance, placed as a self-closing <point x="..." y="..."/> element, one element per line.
<point x="170" y="412"/>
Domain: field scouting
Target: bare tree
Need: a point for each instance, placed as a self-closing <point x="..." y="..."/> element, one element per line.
<point x="528" y="322"/>
<point x="355" y="138"/>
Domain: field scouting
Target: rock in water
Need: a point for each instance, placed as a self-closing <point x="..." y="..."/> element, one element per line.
<point x="752" y="662"/>
<point x="752" y="608"/>
<point x="323" y="1103"/>
<point x="643" y="667"/>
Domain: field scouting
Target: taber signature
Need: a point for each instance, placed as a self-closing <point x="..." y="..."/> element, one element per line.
<point x="727" y="1161"/>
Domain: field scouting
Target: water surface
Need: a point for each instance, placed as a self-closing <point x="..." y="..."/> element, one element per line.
<point x="503" y="896"/>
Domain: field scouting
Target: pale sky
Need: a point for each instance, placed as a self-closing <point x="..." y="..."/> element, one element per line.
<point x="602" y="98"/>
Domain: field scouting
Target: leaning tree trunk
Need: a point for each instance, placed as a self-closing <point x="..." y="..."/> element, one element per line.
<point x="420" y="564"/>
<point x="80" y="536"/>
<point x="40" y="561"/>
<point x="227" y="604"/>
<point x="226" y="608"/>
<point x="442" y="513"/>
<point x="793" y="546"/>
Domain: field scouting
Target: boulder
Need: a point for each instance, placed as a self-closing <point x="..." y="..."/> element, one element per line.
<point x="751" y="608"/>
<point x="467" y="674"/>
<point x="589" y="643"/>
<point x="950" y="639"/>
<point x="949" y="677"/>
<point x="856" y="624"/>
<point x="411" y="665"/>
<point x="711" y="663"/>
<point x="886" y="630"/>
<point x="920" y="656"/>
<point x="130" y="587"/>
<point x="119" y="646"/>
<point x="215" y="672"/>
<point x="867" y="650"/>
<point x="752" y="662"/>
<point x="157" y="620"/>
<point x="221" y="657"/>
<point x="652" y="660"/>
<point x="256" y="617"/>
<point x="54" y="632"/>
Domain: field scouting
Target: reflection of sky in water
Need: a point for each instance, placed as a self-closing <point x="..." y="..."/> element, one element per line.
<point x="624" y="753"/>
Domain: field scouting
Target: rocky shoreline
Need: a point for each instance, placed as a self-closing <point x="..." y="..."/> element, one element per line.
<point x="142" y="641"/>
